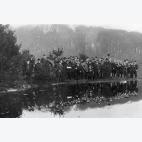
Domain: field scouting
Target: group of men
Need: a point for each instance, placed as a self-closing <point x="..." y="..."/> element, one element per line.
<point x="75" y="68"/>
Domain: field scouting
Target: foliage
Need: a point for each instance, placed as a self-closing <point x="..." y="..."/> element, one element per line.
<point x="26" y="55"/>
<point x="83" y="56"/>
<point x="17" y="62"/>
<point x="92" y="41"/>
<point x="8" y="47"/>
<point x="11" y="59"/>
<point x="55" y="54"/>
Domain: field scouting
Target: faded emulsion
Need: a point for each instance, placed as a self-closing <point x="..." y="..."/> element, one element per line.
<point x="60" y="100"/>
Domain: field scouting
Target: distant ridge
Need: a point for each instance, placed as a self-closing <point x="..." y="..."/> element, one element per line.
<point x="92" y="41"/>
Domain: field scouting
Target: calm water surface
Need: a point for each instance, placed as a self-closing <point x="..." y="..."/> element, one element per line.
<point x="109" y="99"/>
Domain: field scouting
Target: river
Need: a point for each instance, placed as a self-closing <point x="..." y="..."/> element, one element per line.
<point x="103" y="99"/>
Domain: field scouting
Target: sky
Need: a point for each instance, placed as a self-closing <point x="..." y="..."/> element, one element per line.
<point x="120" y="14"/>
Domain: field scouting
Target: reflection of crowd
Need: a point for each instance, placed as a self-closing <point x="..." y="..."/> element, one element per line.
<point x="67" y="68"/>
<point x="59" y="99"/>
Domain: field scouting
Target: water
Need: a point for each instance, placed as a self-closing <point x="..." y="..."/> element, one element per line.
<point x="105" y="99"/>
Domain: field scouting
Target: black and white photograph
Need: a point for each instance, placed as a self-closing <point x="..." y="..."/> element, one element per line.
<point x="90" y="68"/>
<point x="70" y="70"/>
<point x="61" y="70"/>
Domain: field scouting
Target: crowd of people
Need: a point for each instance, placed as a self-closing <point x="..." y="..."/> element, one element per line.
<point x="75" y="68"/>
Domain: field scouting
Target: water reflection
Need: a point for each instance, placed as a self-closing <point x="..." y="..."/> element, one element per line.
<point x="10" y="106"/>
<point x="60" y="99"/>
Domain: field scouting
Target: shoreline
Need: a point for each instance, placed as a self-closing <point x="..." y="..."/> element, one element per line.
<point x="33" y="85"/>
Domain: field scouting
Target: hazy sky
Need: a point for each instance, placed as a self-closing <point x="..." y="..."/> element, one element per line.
<point x="123" y="14"/>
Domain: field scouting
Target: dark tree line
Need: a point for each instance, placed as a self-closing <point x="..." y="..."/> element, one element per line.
<point x="10" y="56"/>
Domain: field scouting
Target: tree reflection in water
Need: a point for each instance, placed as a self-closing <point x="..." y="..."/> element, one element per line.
<point x="10" y="106"/>
<point x="60" y="99"/>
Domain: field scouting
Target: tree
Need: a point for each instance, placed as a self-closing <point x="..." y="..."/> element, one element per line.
<point x="17" y="62"/>
<point x="26" y="55"/>
<point x="55" y="54"/>
<point x="83" y="56"/>
<point x="80" y="39"/>
<point x="8" y="47"/>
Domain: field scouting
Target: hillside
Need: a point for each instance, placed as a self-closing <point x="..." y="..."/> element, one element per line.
<point x="93" y="41"/>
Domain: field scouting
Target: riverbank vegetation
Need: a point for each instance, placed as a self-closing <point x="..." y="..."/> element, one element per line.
<point x="11" y="58"/>
<point x="18" y="64"/>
